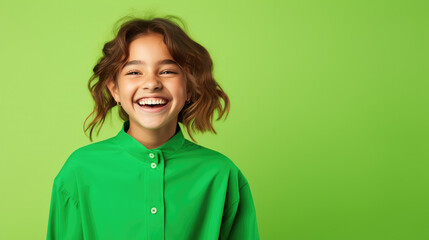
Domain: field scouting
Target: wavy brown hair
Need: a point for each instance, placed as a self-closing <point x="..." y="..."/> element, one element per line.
<point x="194" y="59"/>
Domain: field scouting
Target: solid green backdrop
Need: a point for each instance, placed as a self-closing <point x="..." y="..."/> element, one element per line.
<point x="329" y="112"/>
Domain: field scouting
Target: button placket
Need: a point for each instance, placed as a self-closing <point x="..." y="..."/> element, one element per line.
<point x="153" y="164"/>
<point x="155" y="187"/>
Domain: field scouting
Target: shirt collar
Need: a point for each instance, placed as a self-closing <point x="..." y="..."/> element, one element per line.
<point x="138" y="150"/>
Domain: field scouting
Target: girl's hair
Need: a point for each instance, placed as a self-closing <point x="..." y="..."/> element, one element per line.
<point x="194" y="59"/>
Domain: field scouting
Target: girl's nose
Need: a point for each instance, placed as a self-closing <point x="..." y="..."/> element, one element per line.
<point x="152" y="83"/>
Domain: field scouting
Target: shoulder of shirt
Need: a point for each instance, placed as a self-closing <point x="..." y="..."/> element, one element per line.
<point x="236" y="180"/>
<point x="215" y="157"/>
<point x="206" y="153"/>
<point x="77" y="157"/>
<point x="96" y="147"/>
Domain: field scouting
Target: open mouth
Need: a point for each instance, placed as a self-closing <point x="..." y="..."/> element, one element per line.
<point x="152" y="104"/>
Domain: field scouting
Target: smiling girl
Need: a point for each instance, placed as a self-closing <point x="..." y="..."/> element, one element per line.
<point x="148" y="181"/>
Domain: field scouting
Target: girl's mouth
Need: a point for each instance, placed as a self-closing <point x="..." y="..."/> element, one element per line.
<point x="153" y="108"/>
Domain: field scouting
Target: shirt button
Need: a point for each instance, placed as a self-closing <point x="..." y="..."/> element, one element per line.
<point x="151" y="155"/>
<point x="153" y="210"/>
<point x="153" y="165"/>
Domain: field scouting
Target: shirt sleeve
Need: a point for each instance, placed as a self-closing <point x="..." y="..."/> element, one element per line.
<point x="239" y="221"/>
<point x="64" y="216"/>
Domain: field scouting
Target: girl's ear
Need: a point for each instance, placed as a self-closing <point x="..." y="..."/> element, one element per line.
<point x="188" y="97"/>
<point x="113" y="88"/>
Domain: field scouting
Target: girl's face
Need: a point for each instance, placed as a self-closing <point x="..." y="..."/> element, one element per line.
<point x="150" y="76"/>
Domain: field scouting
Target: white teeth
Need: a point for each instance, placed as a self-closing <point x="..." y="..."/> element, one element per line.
<point x="151" y="101"/>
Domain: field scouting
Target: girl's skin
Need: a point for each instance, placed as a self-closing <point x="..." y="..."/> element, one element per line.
<point x="146" y="79"/>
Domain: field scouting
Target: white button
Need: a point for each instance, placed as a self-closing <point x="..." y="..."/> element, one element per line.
<point x="153" y="210"/>
<point x="151" y="155"/>
<point x="153" y="165"/>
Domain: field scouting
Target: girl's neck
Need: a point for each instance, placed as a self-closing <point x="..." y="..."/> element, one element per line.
<point x="151" y="138"/>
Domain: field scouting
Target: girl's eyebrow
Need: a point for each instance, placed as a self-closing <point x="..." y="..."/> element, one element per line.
<point x="161" y="62"/>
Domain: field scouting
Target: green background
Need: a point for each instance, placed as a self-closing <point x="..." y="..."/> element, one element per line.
<point x="329" y="115"/>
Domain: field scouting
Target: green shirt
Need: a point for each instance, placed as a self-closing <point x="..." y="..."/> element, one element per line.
<point x="118" y="189"/>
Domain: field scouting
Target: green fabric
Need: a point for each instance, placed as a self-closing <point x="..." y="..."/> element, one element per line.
<point x="109" y="189"/>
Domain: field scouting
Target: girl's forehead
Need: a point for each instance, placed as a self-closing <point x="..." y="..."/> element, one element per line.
<point x="149" y="46"/>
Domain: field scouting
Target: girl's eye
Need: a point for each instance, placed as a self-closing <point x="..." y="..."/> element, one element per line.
<point x="167" y="72"/>
<point x="133" y="73"/>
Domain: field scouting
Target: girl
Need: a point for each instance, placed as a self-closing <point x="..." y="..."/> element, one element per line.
<point x="148" y="181"/>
